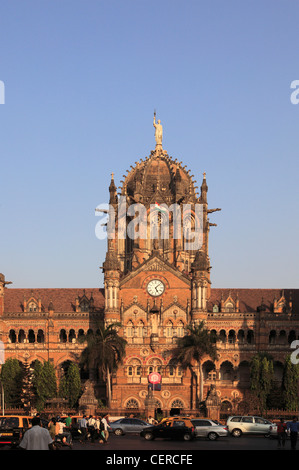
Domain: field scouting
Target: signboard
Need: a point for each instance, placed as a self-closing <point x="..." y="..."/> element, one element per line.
<point x="154" y="378"/>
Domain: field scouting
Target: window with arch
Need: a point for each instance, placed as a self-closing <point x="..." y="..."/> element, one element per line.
<point x="169" y="329"/>
<point x="130" y="329"/>
<point x="32" y="306"/>
<point x="132" y="404"/>
<point x="180" y="329"/>
<point x="140" y="329"/>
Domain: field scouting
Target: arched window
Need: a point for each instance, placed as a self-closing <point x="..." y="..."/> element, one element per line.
<point x="12" y="336"/>
<point x="40" y="336"/>
<point x="130" y="329"/>
<point x="132" y="404"/>
<point x="32" y="306"/>
<point x="62" y="336"/>
<point x="169" y="329"/>
<point x="180" y="329"/>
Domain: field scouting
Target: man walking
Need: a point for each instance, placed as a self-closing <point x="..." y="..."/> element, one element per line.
<point x="293" y="428"/>
<point x="37" y="437"/>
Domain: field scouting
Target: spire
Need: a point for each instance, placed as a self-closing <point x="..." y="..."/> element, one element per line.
<point x="112" y="191"/>
<point x="204" y="189"/>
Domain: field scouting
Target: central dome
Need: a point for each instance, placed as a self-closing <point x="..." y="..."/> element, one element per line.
<point x="159" y="178"/>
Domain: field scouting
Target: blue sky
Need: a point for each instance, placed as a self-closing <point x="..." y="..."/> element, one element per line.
<point x="82" y="78"/>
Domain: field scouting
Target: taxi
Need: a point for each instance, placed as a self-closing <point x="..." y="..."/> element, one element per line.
<point x="12" y="428"/>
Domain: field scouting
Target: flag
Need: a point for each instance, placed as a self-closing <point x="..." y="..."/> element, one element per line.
<point x="160" y="208"/>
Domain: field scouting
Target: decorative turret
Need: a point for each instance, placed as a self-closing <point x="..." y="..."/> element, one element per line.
<point x="3" y="283"/>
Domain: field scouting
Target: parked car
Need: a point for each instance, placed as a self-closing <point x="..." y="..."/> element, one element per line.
<point x="172" y="429"/>
<point x="12" y="428"/>
<point x="238" y="425"/>
<point x="209" y="428"/>
<point x="126" y="425"/>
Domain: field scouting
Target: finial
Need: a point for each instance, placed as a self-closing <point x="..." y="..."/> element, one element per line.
<point x="204" y="175"/>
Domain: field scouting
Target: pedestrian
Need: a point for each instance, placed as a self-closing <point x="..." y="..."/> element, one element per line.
<point x="102" y="431"/>
<point x="152" y="420"/>
<point x="281" y="433"/>
<point x="52" y="428"/>
<point x="83" y="429"/>
<point x="91" y="427"/>
<point x="37" y="437"/>
<point x="293" y="427"/>
<point x="105" y="421"/>
<point x="68" y="421"/>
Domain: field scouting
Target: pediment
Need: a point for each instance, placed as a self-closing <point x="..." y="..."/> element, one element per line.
<point x="155" y="264"/>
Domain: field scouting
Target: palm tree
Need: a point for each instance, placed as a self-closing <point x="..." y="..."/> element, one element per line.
<point x="105" y="350"/>
<point x="190" y="350"/>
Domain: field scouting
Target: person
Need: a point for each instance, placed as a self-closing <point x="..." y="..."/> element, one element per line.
<point x="68" y="421"/>
<point x="37" y="437"/>
<point x="105" y="421"/>
<point x="293" y="427"/>
<point x="281" y="433"/>
<point x="91" y="427"/>
<point x="63" y="434"/>
<point x="152" y="420"/>
<point x="102" y="431"/>
<point x="83" y="429"/>
<point x="52" y="428"/>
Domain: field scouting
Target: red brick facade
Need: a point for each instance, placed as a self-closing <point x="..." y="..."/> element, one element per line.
<point x="46" y="323"/>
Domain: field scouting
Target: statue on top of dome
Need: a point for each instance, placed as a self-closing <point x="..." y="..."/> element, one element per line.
<point x="158" y="131"/>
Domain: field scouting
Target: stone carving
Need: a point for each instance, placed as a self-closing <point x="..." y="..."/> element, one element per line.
<point x="158" y="131"/>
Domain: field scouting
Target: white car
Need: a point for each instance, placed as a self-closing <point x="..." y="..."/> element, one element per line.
<point x="238" y="425"/>
<point x="209" y="428"/>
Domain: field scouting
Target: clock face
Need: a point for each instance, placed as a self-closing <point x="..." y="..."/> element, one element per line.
<point x="155" y="287"/>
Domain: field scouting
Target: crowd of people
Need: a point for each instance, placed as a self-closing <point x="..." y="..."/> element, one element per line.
<point x="95" y="428"/>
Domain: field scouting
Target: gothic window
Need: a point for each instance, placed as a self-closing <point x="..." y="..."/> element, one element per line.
<point x="21" y="336"/>
<point x="130" y="329"/>
<point x="180" y="329"/>
<point x="40" y="336"/>
<point x="62" y="336"/>
<point x="140" y="329"/>
<point x="272" y="337"/>
<point x="132" y="404"/>
<point x="250" y="337"/>
<point x="31" y="336"/>
<point x="32" y="306"/>
<point x="84" y="306"/>
<point x="12" y="336"/>
<point x="169" y="329"/>
<point x="177" y="404"/>
<point x="232" y="337"/>
<point x="72" y="335"/>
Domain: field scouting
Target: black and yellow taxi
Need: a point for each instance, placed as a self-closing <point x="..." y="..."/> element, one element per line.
<point x="12" y="428"/>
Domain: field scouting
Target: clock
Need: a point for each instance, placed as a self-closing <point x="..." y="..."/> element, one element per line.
<point x="155" y="287"/>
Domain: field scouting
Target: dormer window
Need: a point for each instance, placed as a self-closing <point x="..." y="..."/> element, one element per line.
<point x="32" y="307"/>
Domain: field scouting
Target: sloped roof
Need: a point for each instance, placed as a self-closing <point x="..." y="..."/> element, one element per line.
<point x="62" y="299"/>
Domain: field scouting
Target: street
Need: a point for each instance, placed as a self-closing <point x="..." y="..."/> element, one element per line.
<point x="131" y="442"/>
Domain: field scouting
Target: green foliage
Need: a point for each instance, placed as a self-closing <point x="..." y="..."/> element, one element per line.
<point x="290" y="385"/>
<point x="70" y="385"/>
<point x="11" y="378"/>
<point x="193" y="346"/>
<point x="44" y="382"/>
<point x="261" y="378"/>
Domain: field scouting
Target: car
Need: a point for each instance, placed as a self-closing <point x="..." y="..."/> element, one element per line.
<point x="128" y="425"/>
<point x="209" y="428"/>
<point x="12" y="428"/>
<point x="171" y="429"/>
<point x="238" y="425"/>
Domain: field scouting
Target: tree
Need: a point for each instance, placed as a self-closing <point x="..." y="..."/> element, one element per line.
<point x="27" y="395"/>
<point x="189" y="351"/>
<point x="44" y="382"/>
<point x="11" y="378"/>
<point x="70" y="385"/>
<point x="290" y="385"/>
<point x="261" y="378"/>
<point x="104" y="352"/>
